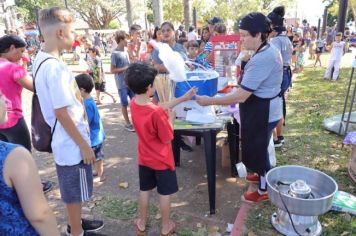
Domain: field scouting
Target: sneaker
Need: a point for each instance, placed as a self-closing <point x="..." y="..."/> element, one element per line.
<point x="47" y="186"/>
<point x="277" y="143"/>
<point x="129" y="127"/>
<point x="254" y="197"/>
<point x="281" y="138"/>
<point x="254" y="178"/>
<point x="88" y="226"/>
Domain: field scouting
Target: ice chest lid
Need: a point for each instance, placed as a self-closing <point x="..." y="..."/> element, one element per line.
<point x="200" y="74"/>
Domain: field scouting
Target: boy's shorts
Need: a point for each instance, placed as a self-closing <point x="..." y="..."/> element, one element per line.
<point x="75" y="182"/>
<point x="164" y="180"/>
<point x="98" y="151"/>
<point x="100" y="86"/>
<point x="124" y="92"/>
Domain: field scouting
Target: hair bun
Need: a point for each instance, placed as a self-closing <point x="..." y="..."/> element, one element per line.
<point x="281" y="11"/>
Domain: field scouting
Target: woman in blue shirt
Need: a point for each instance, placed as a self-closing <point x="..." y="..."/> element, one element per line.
<point x="259" y="98"/>
<point x="23" y="206"/>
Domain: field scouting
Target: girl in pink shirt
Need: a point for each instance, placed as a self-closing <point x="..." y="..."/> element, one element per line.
<point x="13" y="79"/>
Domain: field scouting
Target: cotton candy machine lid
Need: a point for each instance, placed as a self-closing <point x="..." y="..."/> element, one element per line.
<point x="300" y="189"/>
<point x="322" y="186"/>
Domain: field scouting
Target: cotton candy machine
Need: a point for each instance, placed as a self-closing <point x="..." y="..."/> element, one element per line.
<point x="301" y="195"/>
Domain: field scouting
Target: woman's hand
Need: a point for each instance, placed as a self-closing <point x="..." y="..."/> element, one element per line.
<point x="204" y="100"/>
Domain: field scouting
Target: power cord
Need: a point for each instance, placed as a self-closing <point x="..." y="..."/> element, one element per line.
<point x="279" y="183"/>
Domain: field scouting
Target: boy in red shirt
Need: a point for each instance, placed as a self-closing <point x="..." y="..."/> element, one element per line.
<point x="155" y="132"/>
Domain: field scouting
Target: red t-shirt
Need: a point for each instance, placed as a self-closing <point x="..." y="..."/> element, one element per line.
<point x="155" y="134"/>
<point x="76" y="43"/>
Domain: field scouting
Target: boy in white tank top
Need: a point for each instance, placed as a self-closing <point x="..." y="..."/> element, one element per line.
<point x="337" y="51"/>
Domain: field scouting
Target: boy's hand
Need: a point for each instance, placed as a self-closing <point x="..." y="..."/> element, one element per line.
<point x="191" y="92"/>
<point x="203" y="100"/>
<point x="87" y="155"/>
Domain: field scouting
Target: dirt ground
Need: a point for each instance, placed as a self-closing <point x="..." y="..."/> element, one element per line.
<point x="190" y="207"/>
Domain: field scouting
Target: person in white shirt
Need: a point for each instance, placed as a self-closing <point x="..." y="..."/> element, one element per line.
<point x="192" y="35"/>
<point x="337" y="51"/>
<point x="63" y="110"/>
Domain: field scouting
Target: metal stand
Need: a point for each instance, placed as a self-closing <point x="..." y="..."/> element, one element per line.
<point x="351" y="104"/>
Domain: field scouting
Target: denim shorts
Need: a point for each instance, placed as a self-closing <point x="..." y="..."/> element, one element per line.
<point x="123" y="93"/>
<point x="75" y="182"/>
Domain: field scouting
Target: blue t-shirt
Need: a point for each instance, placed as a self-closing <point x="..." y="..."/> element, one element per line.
<point x="120" y="59"/>
<point x="176" y="47"/>
<point x="97" y="134"/>
<point x="263" y="77"/>
<point x="285" y="47"/>
<point x="13" y="220"/>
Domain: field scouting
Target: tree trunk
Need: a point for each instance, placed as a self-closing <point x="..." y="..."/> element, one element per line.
<point x="129" y="12"/>
<point x="353" y="8"/>
<point x="157" y="12"/>
<point x="187" y="13"/>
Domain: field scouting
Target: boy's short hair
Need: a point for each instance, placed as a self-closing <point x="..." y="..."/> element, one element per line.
<point x="134" y="28"/>
<point x="94" y="49"/>
<point x="139" y="76"/>
<point x="120" y="35"/>
<point x="51" y="17"/>
<point x="85" y="81"/>
<point x="192" y="44"/>
<point x="339" y="34"/>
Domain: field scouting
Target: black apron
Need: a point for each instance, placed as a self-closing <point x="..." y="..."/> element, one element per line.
<point x="254" y="115"/>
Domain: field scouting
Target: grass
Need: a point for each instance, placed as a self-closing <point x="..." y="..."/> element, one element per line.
<point x="310" y="101"/>
<point x="126" y="210"/>
<point x="123" y="209"/>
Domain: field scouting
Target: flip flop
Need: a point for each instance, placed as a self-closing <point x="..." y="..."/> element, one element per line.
<point x="171" y="232"/>
<point x="139" y="232"/>
<point x="102" y="178"/>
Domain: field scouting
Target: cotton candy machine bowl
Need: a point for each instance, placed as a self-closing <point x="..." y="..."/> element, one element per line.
<point x="302" y="192"/>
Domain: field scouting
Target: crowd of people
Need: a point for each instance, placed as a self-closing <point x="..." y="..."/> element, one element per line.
<point x="272" y="51"/>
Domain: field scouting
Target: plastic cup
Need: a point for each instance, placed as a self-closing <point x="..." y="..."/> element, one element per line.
<point x="241" y="170"/>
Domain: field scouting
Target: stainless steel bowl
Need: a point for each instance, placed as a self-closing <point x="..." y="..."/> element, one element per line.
<point x="323" y="188"/>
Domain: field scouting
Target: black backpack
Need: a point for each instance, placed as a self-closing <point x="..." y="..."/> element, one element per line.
<point x="40" y="131"/>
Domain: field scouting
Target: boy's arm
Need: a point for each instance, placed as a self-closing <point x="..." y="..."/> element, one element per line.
<point x="69" y="126"/>
<point x="113" y="68"/>
<point x="188" y="95"/>
<point x="118" y="70"/>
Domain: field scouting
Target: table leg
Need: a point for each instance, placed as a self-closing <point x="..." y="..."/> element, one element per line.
<point x="176" y="149"/>
<point x="210" y="156"/>
<point x="233" y="138"/>
<point x="197" y="140"/>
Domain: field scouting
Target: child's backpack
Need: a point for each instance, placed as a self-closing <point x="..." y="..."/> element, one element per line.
<point x="40" y="131"/>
